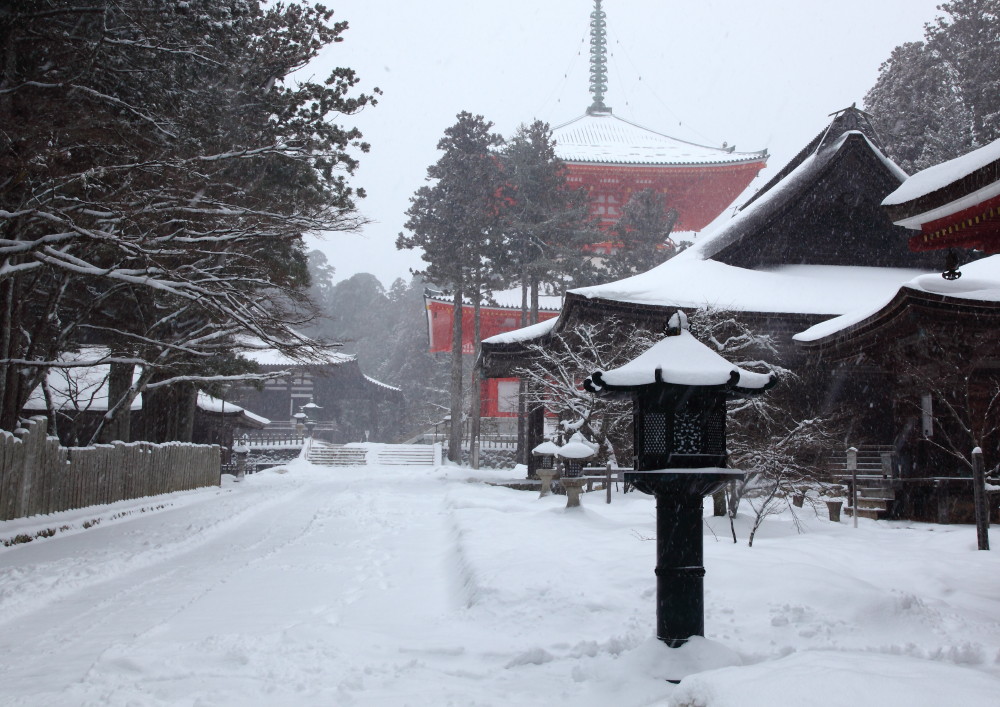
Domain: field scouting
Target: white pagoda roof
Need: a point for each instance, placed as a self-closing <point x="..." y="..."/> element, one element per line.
<point x="606" y="138"/>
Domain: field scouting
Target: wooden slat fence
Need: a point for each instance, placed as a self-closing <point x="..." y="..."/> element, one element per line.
<point x="39" y="476"/>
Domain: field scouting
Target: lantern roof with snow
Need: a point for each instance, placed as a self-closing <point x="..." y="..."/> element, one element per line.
<point x="681" y="360"/>
<point x="576" y="448"/>
<point x="546" y="448"/>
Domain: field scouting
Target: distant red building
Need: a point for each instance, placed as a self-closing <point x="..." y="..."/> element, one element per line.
<point x="499" y="395"/>
<point x="612" y="158"/>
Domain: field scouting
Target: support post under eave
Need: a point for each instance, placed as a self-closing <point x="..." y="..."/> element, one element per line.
<point x="980" y="499"/>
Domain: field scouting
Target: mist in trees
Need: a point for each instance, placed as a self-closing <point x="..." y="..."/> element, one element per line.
<point x="940" y="98"/>
<point x="387" y="330"/>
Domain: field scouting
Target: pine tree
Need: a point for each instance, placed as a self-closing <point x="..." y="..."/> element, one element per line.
<point x="547" y="222"/>
<point x="641" y="235"/>
<point x="940" y="98"/>
<point x="456" y="222"/>
<point x="157" y="176"/>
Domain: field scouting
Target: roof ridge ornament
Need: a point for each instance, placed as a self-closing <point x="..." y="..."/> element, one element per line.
<point x="598" y="60"/>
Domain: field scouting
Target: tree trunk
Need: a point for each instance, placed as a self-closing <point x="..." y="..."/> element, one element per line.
<point x="476" y="412"/>
<point x="455" y="433"/>
<point x="534" y="300"/>
<point x="8" y="393"/>
<point x="118" y="427"/>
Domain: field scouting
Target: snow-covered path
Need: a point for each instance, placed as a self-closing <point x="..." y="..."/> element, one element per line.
<point x="259" y="588"/>
<point x="400" y="586"/>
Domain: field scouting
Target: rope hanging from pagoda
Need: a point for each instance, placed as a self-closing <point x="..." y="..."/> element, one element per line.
<point x="598" y="59"/>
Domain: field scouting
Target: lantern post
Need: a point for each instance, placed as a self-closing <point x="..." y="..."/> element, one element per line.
<point x="678" y="388"/>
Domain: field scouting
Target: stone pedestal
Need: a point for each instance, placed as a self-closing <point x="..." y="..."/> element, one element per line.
<point x="573" y="486"/>
<point x="834" y="508"/>
<point x="546" y="476"/>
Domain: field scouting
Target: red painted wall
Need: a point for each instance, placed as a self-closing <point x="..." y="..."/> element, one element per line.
<point x="699" y="193"/>
<point x="493" y="321"/>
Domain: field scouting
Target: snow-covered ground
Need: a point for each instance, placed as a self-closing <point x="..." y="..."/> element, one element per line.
<point x="395" y="586"/>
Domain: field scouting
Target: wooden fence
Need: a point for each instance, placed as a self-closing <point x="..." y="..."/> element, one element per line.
<point x="39" y="476"/>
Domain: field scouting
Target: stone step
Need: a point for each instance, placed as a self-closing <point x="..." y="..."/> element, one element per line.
<point x="876" y="503"/>
<point x="871" y="513"/>
<point x="886" y="494"/>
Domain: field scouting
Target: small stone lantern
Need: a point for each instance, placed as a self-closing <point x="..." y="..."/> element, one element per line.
<point x="311" y="409"/>
<point x="573" y="454"/>
<point x="300" y="422"/>
<point x="241" y="451"/>
<point x="546" y="471"/>
<point x="679" y="389"/>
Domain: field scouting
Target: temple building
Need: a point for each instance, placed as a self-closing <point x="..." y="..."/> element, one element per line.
<point x="613" y="158"/>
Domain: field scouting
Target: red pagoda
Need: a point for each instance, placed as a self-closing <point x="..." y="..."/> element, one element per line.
<point x="613" y="158"/>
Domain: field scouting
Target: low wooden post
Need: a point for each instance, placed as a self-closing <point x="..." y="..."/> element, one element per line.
<point x="607" y="483"/>
<point x="852" y="466"/>
<point x="980" y="499"/>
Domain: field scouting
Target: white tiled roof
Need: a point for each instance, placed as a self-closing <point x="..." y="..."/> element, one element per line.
<point x="606" y="138"/>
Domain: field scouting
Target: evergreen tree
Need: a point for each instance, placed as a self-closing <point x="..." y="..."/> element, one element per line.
<point x="156" y="177"/>
<point x="456" y="222"/>
<point x="547" y="222"/>
<point x="940" y="98"/>
<point x="641" y="235"/>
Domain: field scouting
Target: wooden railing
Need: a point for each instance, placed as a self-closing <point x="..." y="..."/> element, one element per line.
<point x="39" y="476"/>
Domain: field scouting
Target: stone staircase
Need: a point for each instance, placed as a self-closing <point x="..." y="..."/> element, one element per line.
<point x="350" y="455"/>
<point x="337" y="455"/>
<point x="406" y="455"/>
<point x="875" y="480"/>
<point x="875" y="496"/>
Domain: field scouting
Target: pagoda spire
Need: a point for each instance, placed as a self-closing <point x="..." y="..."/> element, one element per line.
<point x="598" y="59"/>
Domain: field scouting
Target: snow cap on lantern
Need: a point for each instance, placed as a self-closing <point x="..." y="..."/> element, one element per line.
<point x="547" y="450"/>
<point x="679" y="359"/>
<point x="575" y="451"/>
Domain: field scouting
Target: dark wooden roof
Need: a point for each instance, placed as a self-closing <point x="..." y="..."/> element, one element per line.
<point x="909" y="312"/>
<point x="823" y="208"/>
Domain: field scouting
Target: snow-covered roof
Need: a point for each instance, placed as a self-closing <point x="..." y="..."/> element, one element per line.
<point x="682" y="360"/>
<point x="693" y="282"/>
<point x="380" y="384"/>
<point x="523" y="334"/>
<point x="82" y="388"/>
<point x="506" y="299"/>
<point x="606" y="138"/>
<point x="776" y="195"/>
<point x="272" y="357"/>
<point x="939" y="177"/>
<point x="207" y="403"/>
<point x="980" y="281"/>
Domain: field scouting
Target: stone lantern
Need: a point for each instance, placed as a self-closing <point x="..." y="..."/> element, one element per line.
<point x="300" y="422"/>
<point x="573" y="454"/>
<point x="310" y="409"/>
<point x="546" y="471"/>
<point x="678" y="388"/>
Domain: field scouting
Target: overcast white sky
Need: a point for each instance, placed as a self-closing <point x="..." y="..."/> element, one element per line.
<point x="754" y="73"/>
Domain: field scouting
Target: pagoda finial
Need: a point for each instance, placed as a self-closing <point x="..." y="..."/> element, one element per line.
<point x="598" y="59"/>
